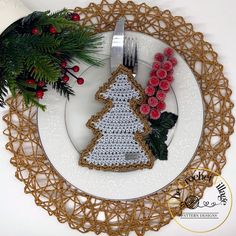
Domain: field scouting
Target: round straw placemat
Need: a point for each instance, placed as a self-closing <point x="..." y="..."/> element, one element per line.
<point x="86" y="213"/>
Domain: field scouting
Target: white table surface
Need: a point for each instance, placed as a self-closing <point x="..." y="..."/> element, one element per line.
<point x="19" y="216"/>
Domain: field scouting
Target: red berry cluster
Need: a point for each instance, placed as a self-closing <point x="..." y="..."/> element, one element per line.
<point x="65" y="78"/>
<point x="159" y="84"/>
<point x="65" y="70"/>
<point x="52" y="29"/>
<point x="68" y="70"/>
<point x="39" y="87"/>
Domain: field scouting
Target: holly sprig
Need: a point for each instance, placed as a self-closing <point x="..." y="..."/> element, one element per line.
<point x="158" y="86"/>
<point x="34" y="48"/>
<point x="157" y="138"/>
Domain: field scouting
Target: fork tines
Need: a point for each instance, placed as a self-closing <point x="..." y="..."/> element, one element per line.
<point x="130" y="58"/>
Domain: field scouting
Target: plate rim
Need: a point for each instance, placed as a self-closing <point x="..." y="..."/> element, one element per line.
<point x="169" y="183"/>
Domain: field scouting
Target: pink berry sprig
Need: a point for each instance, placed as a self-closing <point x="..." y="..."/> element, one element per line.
<point x="69" y="70"/>
<point x="161" y="78"/>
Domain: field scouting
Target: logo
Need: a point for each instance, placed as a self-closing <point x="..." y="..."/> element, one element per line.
<point x="202" y="210"/>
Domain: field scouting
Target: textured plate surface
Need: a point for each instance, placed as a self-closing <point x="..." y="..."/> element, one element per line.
<point x="63" y="132"/>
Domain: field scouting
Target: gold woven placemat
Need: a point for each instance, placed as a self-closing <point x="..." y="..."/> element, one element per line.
<point x="86" y="213"/>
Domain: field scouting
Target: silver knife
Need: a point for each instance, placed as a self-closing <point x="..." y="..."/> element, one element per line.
<point x="117" y="45"/>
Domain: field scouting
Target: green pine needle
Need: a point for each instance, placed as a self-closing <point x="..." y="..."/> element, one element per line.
<point x="42" y="67"/>
<point x="30" y="99"/>
<point x="3" y="91"/>
<point x="63" y="88"/>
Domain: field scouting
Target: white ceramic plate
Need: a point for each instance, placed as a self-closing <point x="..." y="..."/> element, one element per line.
<point x="63" y="131"/>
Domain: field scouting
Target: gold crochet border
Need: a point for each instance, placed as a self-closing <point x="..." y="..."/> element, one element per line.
<point x="87" y="213"/>
<point x="97" y="134"/>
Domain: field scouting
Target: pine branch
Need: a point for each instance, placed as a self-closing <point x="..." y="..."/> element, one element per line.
<point x="42" y="67"/>
<point x="26" y="85"/>
<point x="60" y="13"/>
<point x="46" y="43"/>
<point x="12" y="84"/>
<point x="3" y="90"/>
<point x="29" y="98"/>
<point x="63" y="88"/>
<point x="58" y="20"/>
<point x="26" y="56"/>
<point x="80" y="44"/>
<point x="12" y="59"/>
<point x="61" y="23"/>
<point x="33" y="17"/>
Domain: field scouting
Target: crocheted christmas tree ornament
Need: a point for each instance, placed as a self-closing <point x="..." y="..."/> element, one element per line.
<point x="119" y="129"/>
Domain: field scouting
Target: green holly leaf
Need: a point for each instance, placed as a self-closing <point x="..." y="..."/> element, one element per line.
<point x="162" y="151"/>
<point x="166" y="121"/>
<point x="158" y="147"/>
<point x="160" y="133"/>
<point x="157" y="138"/>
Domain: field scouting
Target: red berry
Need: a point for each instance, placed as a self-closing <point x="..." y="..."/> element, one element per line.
<point x="150" y="90"/>
<point x="164" y="85"/>
<point x="41" y="83"/>
<point x="63" y="64"/>
<point x="75" y="68"/>
<point x="161" y="105"/>
<point x="160" y="95"/>
<point x="30" y="81"/>
<point x="80" y="81"/>
<point x="75" y="17"/>
<point x="168" y="52"/>
<point x="161" y="73"/>
<point x="156" y="65"/>
<point x="173" y="60"/>
<point x="39" y="93"/>
<point x="170" y="78"/>
<point x="152" y="102"/>
<point x="65" y="78"/>
<point x="153" y="81"/>
<point x="155" y="114"/>
<point x="167" y="65"/>
<point x="52" y="30"/>
<point x="153" y="73"/>
<point x="145" y="109"/>
<point x="159" y="57"/>
<point x="34" y="31"/>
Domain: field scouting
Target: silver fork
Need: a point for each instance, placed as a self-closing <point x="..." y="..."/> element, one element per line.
<point x="130" y="58"/>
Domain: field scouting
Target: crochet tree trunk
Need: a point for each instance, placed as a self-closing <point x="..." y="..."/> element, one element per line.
<point x="119" y="129"/>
